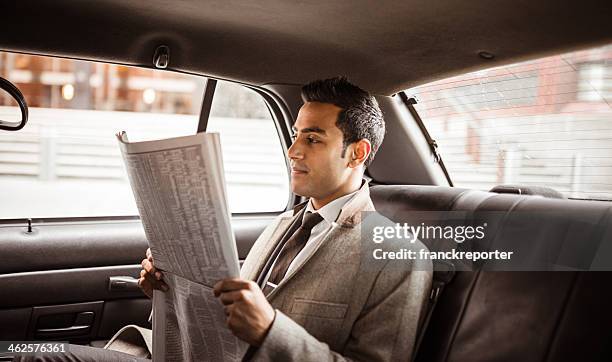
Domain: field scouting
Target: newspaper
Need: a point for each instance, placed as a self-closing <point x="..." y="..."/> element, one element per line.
<point x="180" y="193"/>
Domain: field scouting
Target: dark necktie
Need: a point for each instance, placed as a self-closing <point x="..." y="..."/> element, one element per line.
<point x="290" y="250"/>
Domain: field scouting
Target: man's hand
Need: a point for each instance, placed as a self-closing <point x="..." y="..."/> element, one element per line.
<point x="150" y="277"/>
<point x="249" y="315"/>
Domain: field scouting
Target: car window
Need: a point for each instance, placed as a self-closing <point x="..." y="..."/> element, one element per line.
<point x="543" y="122"/>
<point x="66" y="161"/>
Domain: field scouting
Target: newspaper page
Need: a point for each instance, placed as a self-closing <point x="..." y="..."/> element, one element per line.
<point x="180" y="193"/>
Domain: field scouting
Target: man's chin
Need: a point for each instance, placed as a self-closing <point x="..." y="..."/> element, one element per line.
<point x="299" y="189"/>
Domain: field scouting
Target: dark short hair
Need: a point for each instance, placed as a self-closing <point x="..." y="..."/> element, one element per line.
<point x="360" y="118"/>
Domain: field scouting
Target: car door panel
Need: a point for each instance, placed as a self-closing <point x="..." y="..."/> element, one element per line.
<point x="76" y="280"/>
<point x="63" y="245"/>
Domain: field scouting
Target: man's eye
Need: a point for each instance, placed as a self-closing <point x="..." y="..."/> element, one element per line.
<point x="312" y="140"/>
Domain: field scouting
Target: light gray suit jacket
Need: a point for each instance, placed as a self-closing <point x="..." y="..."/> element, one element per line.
<point x="341" y="303"/>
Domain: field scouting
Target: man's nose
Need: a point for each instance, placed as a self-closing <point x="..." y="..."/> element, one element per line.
<point x="294" y="151"/>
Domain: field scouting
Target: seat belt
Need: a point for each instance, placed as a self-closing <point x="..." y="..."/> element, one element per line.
<point x="433" y="145"/>
<point x="444" y="272"/>
<point x="209" y="92"/>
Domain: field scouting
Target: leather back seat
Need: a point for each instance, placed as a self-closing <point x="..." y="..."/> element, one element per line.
<point x="518" y="315"/>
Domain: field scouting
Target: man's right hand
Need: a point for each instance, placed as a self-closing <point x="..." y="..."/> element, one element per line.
<point x="150" y="277"/>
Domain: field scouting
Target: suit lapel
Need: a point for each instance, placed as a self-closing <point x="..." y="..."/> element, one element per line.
<point x="265" y="245"/>
<point x="263" y="253"/>
<point x="350" y="217"/>
<point x="332" y="235"/>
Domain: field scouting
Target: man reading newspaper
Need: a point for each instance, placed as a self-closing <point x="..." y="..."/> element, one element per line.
<point x="308" y="302"/>
<point x="308" y="290"/>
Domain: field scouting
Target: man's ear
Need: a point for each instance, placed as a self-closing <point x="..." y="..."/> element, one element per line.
<point x="360" y="151"/>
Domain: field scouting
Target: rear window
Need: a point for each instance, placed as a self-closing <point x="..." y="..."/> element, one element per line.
<point x="544" y="122"/>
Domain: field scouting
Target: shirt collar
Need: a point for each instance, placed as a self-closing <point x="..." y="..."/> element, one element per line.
<point x="330" y="211"/>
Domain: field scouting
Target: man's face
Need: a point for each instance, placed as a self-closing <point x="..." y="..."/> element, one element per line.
<point x="318" y="169"/>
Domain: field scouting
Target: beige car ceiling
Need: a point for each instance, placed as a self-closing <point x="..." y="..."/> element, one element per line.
<point x="385" y="46"/>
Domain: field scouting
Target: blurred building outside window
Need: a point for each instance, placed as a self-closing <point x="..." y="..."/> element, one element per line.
<point x="66" y="161"/>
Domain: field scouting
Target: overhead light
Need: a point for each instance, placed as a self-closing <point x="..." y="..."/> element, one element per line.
<point x="148" y="96"/>
<point x="68" y="92"/>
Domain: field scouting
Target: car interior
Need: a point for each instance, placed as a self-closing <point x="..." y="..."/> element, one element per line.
<point x="72" y="276"/>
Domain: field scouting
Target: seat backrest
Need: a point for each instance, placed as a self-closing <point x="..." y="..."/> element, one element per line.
<point x="517" y="315"/>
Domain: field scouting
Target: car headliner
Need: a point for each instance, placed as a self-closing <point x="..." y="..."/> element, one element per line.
<point x="384" y="46"/>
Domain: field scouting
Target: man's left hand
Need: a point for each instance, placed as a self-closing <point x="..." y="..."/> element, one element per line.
<point x="249" y="315"/>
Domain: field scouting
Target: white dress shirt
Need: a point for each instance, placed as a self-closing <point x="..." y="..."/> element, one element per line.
<point x="329" y="213"/>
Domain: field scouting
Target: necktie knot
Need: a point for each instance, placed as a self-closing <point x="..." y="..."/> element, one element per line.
<point x="311" y="220"/>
